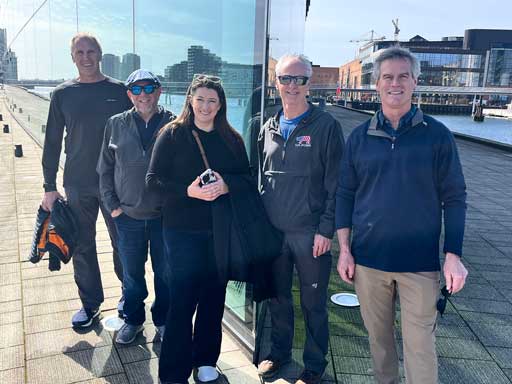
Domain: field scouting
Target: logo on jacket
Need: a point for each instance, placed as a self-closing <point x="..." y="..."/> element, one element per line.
<point x="303" y="141"/>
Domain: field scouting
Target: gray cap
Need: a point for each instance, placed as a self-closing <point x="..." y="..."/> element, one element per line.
<point x="141" y="75"/>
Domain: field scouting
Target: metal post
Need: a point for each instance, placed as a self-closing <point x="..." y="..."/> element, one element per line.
<point x="474" y="105"/>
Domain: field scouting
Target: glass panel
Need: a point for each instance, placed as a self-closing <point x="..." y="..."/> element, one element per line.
<point x="224" y="39"/>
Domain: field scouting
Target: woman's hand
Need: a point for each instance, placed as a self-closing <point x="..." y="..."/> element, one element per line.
<point x="207" y="192"/>
<point x="220" y="183"/>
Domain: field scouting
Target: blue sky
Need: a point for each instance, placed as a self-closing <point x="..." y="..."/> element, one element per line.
<point x="332" y="23"/>
<point x="163" y="32"/>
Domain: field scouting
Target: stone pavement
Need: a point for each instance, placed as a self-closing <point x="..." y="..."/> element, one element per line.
<point x="37" y="343"/>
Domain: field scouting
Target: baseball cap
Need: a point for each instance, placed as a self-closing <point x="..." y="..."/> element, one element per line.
<point x="141" y="75"/>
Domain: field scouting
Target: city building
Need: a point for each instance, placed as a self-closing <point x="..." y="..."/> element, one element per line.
<point x="481" y="58"/>
<point x="3" y="41"/>
<point x="324" y="81"/>
<point x="177" y="73"/>
<point x="130" y="63"/>
<point x="111" y="65"/>
<point x="201" y="60"/>
<point x="8" y="60"/>
<point x="10" y="66"/>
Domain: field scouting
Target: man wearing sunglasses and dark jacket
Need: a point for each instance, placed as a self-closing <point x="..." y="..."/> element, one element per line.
<point x="122" y="166"/>
<point x="300" y="150"/>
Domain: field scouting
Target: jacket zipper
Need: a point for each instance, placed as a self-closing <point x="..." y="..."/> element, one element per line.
<point x="393" y="138"/>
<point x="294" y="132"/>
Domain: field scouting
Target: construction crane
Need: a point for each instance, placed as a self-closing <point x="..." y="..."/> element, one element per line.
<point x="368" y="39"/>
<point x="397" y="30"/>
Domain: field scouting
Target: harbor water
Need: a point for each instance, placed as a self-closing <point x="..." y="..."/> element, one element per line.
<point x="492" y="128"/>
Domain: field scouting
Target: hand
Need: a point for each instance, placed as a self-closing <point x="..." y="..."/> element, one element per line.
<point x="321" y="245"/>
<point x="48" y="200"/>
<point x="454" y="273"/>
<point x="207" y="192"/>
<point x="223" y="187"/>
<point x="346" y="266"/>
<point x="116" y="212"/>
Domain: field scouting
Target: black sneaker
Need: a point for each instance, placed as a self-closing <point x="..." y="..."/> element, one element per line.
<point x="270" y="366"/>
<point x="84" y="317"/>
<point x="309" y="377"/>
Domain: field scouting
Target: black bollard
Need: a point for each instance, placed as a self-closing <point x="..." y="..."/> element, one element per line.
<point x="18" y="150"/>
<point x="6" y="128"/>
<point x="1" y="117"/>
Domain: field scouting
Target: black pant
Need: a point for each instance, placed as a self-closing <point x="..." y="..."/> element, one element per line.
<point x="194" y="285"/>
<point x="314" y="279"/>
<point x="86" y="205"/>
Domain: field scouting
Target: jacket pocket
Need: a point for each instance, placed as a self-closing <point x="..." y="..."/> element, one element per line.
<point x="286" y="198"/>
<point x="132" y="184"/>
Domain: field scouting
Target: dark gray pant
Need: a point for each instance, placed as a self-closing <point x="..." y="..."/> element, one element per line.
<point x="86" y="205"/>
<point x="313" y="279"/>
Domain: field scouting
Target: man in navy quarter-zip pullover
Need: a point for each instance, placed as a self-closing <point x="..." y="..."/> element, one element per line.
<point x="400" y="177"/>
<point x="300" y="150"/>
<point x="122" y="166"/>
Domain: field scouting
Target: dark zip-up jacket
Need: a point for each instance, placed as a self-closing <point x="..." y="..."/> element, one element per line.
<point x="298" y="177"/>
<point x="393" y="191"/>
<point x="123" y="164"/>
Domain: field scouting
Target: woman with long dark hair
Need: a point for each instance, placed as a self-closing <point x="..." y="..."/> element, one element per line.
<point x="198" y="139"/>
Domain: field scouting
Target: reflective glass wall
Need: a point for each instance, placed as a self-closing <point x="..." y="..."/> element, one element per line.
<point x="439" y="69"/>
<point x="175" y="40"/>
<point x="500" y="68"/>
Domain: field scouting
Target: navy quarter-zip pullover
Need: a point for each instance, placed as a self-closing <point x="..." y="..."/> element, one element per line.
<point x="420" y="169"/>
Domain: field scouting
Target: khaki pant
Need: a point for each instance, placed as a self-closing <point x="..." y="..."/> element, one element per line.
<point x="377" y="291"/>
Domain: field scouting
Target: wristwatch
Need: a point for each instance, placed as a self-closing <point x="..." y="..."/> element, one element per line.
<point x="49" y="187"/>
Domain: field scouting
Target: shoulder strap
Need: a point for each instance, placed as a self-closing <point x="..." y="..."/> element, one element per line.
<point x="201" y="149"/>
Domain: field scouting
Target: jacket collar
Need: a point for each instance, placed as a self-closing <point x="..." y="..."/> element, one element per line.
<point x="373" y="127"/>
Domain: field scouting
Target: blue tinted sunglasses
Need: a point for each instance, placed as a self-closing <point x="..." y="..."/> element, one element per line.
<point x="148" y="89"/>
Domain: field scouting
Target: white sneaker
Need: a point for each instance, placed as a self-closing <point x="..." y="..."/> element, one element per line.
<point x="207" y="373"/>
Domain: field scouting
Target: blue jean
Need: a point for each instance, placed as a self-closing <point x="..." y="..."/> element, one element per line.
<point x="195" y="287"/>
<point x="134" y="237"/>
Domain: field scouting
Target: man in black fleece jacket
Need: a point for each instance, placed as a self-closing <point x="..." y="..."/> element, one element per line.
<point x="300" y="151"/>
<point x="399" y="173"/>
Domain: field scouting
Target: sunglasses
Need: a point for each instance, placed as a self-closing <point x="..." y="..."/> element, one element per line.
<point x="201" y="76"/>
<point x="287" y="79"/>
<point x="441" y="303"/>
<point x="148" y="89"/>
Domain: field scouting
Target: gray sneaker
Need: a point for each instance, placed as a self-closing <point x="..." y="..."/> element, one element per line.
<point x="84" y="317"/>
<point x="161" y="331"/>
<point x="128" y="333"/>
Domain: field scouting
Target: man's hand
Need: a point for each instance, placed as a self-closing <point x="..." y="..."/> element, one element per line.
<point x="116" y="212"/>
<point x="346" y="266"/>
<point x="454" y="273"/>
<point x="48" y="200"/>
<point x="321" y="245"/>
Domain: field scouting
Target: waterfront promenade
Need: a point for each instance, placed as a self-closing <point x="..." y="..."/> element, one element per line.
<point x="37" y="344"/>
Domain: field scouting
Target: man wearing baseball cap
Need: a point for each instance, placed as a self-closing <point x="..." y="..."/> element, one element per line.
<point x="122" y="166"/>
